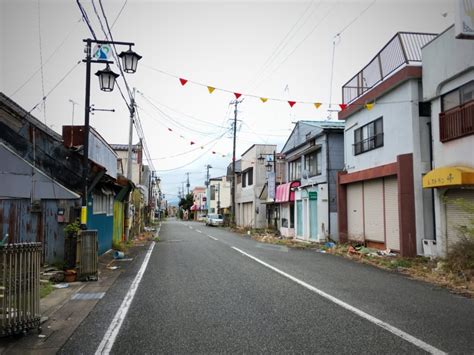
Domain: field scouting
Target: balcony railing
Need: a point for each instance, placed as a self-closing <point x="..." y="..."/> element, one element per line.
<point x="403" y="49"/>
<point x="367" y="144"/>
<point x="457" y="122"/>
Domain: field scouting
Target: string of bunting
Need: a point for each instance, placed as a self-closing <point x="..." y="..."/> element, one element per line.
<point x="263" y="99"/>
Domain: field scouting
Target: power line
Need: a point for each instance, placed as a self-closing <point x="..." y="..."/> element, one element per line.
<point x="47" y="60"/>
<point x="86" y="19"/>
<point x="41" y="59"/>
<point x="120" y="12"/>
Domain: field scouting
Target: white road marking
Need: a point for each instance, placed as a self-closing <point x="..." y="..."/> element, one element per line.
<point x="398" y="332"/>
<point x="197" y="230"/>
<point x="210" y="236"/>
<point x="108" y="340"/>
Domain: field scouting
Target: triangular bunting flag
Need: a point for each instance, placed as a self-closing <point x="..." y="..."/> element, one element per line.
<point x="369" y="106"/>
<point x="183" y="81"/>
<point x="192" y="143"/>
<point x="202" y="147"/>
<point x="210" y="89"/>
<point x="169" y="129"/>
<point x="343" y="106"/>
<point x="317" y="104"/>
<point x="213" y="152"/>
<point x="291" y="103"/>
<point x="181" y="137"/>
<point x="237" y="95"/>
<point x="263" y="99"/>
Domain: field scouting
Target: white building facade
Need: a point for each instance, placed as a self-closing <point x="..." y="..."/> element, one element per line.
<point x="448" y="84"/>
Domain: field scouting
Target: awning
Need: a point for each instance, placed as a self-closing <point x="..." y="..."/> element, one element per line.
<point x="449" y="176"/>
<point x="284" y="193"/>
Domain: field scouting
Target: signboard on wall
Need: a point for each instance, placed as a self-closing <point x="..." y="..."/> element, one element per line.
<point x="271" y="185"/>
<point x="464" y="22"/>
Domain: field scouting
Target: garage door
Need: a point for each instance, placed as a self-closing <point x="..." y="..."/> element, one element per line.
<point x="392" y="230"/>
<point x="373" y="210"/>
<point x="456" y="216"/>
<point x="247" y="214"/>
<point x="355" y="221"/>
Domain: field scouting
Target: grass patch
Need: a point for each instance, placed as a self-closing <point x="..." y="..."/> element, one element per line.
<point x="45" y="289"/>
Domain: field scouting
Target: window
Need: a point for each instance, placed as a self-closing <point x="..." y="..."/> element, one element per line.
<point x="456" y="119"/>
<point x="368" y="137"/>
<point x="250" y="176"/>
<point x="99" y="204"/>
<point x="458" y="97"/>
<point x="247" y="177"/>
<point x="110" y="205"/>
<point x="312" y="163"/>
<point x="294" y="169"/>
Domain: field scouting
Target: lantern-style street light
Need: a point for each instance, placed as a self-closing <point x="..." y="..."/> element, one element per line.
<point x="107" y="82"/>
<point x="129" y="61"/>
<point x="106" y="79"/>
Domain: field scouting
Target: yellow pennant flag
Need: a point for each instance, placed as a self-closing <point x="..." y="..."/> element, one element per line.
<point x="317" y="104"/>
<point x="263" y="99"/>
<point x="211" y="89"/>
<point x="369" y="106"/>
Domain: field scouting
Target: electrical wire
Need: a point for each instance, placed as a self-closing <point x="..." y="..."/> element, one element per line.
<point x="47" y="60"/>
<point x="86" y="19"/>
<point x="41" y="59"/>
<point x="120" y="12"/>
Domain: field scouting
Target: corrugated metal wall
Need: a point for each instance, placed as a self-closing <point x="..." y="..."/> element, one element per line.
<point x="22" y="224"/>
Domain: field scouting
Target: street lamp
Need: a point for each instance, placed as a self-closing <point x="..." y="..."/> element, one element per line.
<point x="107" y="81"/>
<point x="130" y="60"/>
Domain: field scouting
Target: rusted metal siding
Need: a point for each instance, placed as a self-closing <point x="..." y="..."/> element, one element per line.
<point x="22" y="224"/>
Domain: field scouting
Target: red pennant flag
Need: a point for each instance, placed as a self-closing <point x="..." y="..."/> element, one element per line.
<point x="192" y="143"/>
<point x="169" y="129"/>
<point x="343" y="106"/>
<point x="292" y="103"/>
<point x="213" y="152"/>
<point x="237" y="95"/>
<point x="183" y="81"/>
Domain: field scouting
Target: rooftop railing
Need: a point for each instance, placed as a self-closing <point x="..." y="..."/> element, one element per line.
<point x="403" y="49"/>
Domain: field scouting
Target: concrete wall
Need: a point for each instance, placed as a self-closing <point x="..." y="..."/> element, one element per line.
<point x="443" y="59"/>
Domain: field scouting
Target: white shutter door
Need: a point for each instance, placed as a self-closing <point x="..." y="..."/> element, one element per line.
<point x="355" y="225"/>
<point x="456" y="216"/>
<point x="373" y="210"/>
<point x="392" y="228"/>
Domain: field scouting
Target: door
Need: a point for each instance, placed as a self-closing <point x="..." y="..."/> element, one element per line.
<point x="313" y="219"/>
<point x="457" y="216"/>
<point x="355" y="214"/>
<point x="373" y="210"/>
<point x="299" y="218"/>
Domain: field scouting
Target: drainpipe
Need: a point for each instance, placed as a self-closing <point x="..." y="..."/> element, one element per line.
<point x="430" y="135"/>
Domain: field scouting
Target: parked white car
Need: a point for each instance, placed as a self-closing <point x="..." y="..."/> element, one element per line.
<point x="214" y="220"/>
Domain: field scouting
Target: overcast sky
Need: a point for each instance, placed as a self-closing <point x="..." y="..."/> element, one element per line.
<point x="281" y="50"/>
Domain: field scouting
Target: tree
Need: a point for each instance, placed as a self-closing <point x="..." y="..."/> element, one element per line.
<point x="187" y="202"/>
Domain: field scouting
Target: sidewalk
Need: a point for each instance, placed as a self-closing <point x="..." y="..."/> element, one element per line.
<point x="64" y="309"/>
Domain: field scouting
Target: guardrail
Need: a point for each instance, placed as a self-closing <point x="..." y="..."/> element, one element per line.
<point x="19" y="288"/>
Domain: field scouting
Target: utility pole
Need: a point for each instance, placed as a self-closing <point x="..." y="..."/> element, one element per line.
<point x="218" y="196"/>
<point x="232" y="192"/>
<point x="207" y="187"/>
<point x="187" y="184"/>
<point x="129" y="164"/>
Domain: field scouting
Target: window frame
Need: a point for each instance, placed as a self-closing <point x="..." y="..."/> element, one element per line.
<point x="317" y="162"/>
<point x="368" y="137"/>
<point x="461" y="91"/>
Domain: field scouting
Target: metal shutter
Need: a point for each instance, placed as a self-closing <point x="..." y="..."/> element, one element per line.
<point x="355" y="222"/>
<point x="456" y="215"/>
<point x="392" y="228"/>
<point x="373" y="210"/>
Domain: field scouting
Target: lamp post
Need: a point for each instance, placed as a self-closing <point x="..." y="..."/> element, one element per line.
<point x="107" y="81"/>
<point x="270" y="165"/>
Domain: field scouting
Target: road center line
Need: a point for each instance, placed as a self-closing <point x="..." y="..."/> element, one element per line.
<point x="398" y="332"/>
<point x="108" y="340"/>
<point x="210" y="236"/>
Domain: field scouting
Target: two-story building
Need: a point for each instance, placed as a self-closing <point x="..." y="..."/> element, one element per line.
<point x="381" y="201"/>
<point x="199" y="205"/>
<point x="448" y="85"/>
<point x="219" y="195"/>
<point x="250" y="209"/>
<point x="314" y="153"/>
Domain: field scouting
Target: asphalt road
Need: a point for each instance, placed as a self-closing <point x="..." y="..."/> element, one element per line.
<point x="206" y="290"/>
